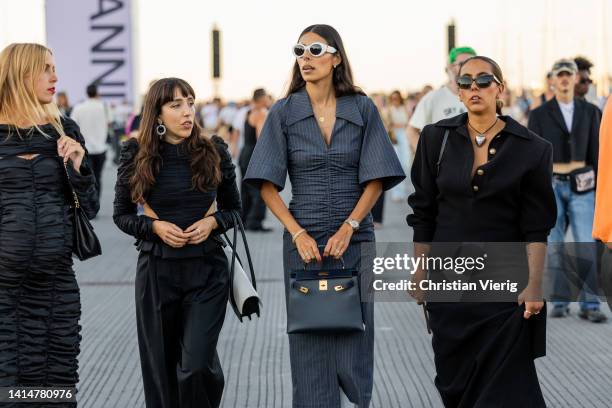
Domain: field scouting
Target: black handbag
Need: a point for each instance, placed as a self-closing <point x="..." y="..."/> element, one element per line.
<point x="85" y="243"/>
<point x="324" y="301"/>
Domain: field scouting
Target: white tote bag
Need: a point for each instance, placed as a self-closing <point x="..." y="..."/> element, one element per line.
<point x="243" y="289"/>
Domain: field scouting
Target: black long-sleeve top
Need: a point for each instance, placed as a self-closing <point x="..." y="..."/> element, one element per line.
<point x="173" y="197"/>
<point x="509" y="198"/>
<point x="580" y="143"/>
<point x="35" y="216"/>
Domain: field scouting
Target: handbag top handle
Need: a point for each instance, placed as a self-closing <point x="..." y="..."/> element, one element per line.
<point x="323" y="246"/>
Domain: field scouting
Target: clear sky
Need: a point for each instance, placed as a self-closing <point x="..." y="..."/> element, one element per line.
<point x="391" y="43"/>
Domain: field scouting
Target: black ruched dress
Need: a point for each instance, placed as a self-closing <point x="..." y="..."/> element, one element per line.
<point x="39" y="296"/>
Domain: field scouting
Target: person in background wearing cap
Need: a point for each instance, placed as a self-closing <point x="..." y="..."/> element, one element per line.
<point x="572" y="126"/>
<point x="602" y="224"/>
<point x="442" y="103"/>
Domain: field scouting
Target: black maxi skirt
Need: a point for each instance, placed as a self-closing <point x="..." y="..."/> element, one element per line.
<point x="484" y="354"/>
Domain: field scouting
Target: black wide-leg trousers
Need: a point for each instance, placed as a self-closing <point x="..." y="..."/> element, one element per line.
<point x="180" y="308"/>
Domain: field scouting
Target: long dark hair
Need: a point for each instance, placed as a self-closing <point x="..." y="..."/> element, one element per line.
<point x="204" y="158"/>
<point x="342" y="76"/>
<point x="399" y="95"/>
<point x="496" y="71"/>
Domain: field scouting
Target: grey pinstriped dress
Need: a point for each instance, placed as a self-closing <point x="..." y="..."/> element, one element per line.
<point x="327" y="181"/>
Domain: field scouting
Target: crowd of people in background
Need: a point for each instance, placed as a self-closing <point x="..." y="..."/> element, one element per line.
<point x="404" y="115"/>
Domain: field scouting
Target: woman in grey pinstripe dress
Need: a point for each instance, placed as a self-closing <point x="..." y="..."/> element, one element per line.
<point x="331" y="140"/>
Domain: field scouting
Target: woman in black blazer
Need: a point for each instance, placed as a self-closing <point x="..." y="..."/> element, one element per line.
<point x="493" y="185"/>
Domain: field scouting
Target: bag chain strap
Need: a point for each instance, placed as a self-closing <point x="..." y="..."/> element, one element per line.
<point x="77" y="203"/>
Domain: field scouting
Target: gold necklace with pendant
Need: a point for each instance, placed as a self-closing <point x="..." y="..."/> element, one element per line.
<point x="322" y="117"/>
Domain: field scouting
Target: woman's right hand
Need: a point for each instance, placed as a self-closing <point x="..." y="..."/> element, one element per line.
<point x="170" y="234"/>
<point x="417" y="292"/>
<point x="307" y="248"/>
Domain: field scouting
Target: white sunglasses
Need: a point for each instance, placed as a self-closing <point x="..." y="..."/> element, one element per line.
<point x="316" y="49"/>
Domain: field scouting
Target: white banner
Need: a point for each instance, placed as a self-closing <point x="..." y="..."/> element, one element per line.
<point x="92" y="43"/>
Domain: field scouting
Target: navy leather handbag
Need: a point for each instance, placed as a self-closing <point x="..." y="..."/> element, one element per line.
<point x="324" y="301"/>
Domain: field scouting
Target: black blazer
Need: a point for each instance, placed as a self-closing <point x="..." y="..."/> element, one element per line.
<point x="581" y="143"/>
<point x="509" y="199"/>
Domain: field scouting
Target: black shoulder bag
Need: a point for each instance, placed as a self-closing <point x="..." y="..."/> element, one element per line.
<point x="444" y="140"/>
<point x="441" y="153"/>
<point x="85" y="243"/>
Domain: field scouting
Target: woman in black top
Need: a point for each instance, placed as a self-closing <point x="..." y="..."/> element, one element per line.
<point x="493" y="185"/>
<point x="182" y="276"/>
<point x="39" y="296"/>
<point x="253" y="207"/>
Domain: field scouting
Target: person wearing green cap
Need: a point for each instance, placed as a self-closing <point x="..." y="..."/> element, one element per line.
<point x="442" y="103"/>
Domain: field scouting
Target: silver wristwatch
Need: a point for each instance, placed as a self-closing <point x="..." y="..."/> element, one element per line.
<point x="353" y="223"/>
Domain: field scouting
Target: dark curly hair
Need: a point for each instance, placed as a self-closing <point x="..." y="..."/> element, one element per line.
<point x="583" y="63"/>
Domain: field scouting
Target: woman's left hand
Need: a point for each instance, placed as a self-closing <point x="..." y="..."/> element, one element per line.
<point x="531" y="296"/>
<point x="200" y="230"/>
<point x="339" y="242"/>
<point x="69" y="148"/>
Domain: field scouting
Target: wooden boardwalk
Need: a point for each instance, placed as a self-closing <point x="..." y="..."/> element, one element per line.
<point x="255" y="358"/>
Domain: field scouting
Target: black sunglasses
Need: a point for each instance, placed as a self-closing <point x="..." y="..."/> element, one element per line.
<point x="482" y="81"/>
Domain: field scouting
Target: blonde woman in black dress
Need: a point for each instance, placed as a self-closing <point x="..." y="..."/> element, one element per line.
<point x="39" y="297"/>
